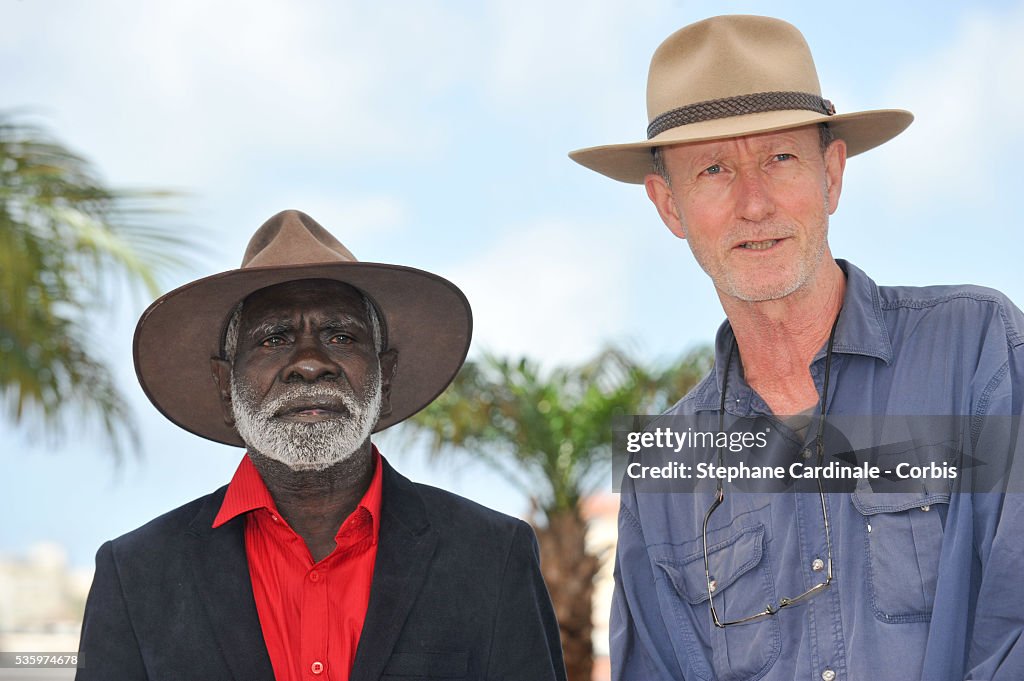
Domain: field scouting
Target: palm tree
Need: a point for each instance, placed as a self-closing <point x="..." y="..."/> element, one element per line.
<point x="66" y="243"/>
<point x="550" y="435"/>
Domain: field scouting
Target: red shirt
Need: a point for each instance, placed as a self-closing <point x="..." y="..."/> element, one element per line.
<point x="311" y="613"/>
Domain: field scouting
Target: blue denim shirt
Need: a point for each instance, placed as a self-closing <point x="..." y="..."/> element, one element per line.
<point x="926" y="586"/>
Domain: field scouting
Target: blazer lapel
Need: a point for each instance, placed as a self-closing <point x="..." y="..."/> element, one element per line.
<point x="404" y="552"/>
<point x="222" y="576"/>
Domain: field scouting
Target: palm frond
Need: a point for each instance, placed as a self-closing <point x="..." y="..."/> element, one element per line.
<point x="65" y="240"/>
<point x="551" y="429"/>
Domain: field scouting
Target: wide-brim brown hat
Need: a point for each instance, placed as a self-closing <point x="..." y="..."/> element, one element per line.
<point x="425" y="318"/>
<point x="730" y="76"/>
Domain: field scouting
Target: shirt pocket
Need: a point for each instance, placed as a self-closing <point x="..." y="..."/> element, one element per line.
<point x="411" y="666"/>
<point x="903" y="539"/>
<point x="744" y="585"/>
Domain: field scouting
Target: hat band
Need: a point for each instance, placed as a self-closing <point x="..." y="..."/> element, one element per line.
<point x="738" y="106"/>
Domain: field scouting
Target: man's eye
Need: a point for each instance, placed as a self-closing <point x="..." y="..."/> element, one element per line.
<point x="272" y="341"/>
<point x="713" y="170"/>
<point x="342" y="338"/>
<point x="783" y="157"/>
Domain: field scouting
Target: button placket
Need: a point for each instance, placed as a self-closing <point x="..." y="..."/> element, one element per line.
<point x="314" y="620"/>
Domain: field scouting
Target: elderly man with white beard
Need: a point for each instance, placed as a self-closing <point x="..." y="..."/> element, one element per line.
<point x="318" y="560"/>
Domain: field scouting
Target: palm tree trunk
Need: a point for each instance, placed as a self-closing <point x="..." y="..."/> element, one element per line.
<point x="569" y="570"/>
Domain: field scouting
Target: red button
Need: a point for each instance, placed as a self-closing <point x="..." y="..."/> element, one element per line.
<point x="314" y="576"/>
<point x="317" y="667"/>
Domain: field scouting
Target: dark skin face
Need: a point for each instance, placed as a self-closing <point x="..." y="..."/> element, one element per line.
<point x="305" y="332"/>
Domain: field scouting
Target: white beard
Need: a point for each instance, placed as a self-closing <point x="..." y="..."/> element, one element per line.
<point x="305" y="446"/>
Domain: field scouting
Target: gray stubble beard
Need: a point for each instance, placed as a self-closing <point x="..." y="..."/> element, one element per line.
<point x="725" y="282"/>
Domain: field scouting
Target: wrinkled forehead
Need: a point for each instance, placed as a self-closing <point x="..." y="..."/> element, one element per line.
<point x="306" y="296"/>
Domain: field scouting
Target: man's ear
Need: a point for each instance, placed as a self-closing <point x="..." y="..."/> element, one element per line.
<point x="660" y="195"/>
<point x="221" y="370"/>
<point x="835" y="164"/>
<point x="388" y="366"/>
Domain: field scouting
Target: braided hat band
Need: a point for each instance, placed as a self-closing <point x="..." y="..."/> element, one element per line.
<point x="738" y="106"/>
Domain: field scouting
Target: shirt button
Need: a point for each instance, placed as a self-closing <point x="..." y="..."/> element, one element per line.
<point x="314" y="576"/>
<point x="275" y="518"/>
<point x="806" y="453"/>
<point x="828" y="675"/>
<point x="713" y="586"/>
<point x="926" y="508"/>
<point x="818" y="565"/>
<point x="318" y="668"/>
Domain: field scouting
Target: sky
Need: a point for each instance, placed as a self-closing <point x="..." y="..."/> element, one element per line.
<point x="434" y="135"/>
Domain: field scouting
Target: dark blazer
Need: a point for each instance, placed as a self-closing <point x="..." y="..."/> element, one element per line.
<point x="457" y="594"/>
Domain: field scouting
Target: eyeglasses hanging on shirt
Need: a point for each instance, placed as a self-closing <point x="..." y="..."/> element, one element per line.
<point x="771" y="609"/>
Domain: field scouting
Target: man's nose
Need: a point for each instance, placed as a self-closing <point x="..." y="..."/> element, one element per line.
<point x="310" y="362"/>
<point x="754" y="197"/>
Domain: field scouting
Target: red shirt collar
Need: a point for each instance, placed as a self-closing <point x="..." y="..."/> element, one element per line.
<point x="247" y="492"/>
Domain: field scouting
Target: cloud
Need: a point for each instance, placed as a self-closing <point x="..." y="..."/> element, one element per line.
<point x="544" y="290"/>
<point x="558" y="56"/>
<point x="965" y="98"/>
<point x="191" y="92"/>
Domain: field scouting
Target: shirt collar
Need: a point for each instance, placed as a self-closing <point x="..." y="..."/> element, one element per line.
<point x="247" y="492"/>
<point x="861" y="331"/>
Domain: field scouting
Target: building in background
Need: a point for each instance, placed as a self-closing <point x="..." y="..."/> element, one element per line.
<point x="41" y="601"/>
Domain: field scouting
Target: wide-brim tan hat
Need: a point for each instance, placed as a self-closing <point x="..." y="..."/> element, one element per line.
<point x="425" y="318"/>
<point x="730" y="76"/>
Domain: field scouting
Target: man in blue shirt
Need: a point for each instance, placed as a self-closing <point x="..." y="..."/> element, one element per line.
<point x="744" y="160"/>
